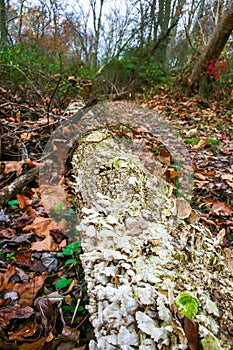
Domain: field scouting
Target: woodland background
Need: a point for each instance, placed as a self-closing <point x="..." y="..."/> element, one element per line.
<point x="60" y="50"/>
<point x="174" y="57"/>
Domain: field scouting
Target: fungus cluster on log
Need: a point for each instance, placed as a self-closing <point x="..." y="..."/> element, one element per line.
<point x="156" y="278"/>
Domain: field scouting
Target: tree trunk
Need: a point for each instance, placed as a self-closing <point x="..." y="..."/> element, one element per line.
<point x="3" y="25"/>
<point x="214" y="47"/>
<point x="156" y="278"/>
<point x="97" y="22"/>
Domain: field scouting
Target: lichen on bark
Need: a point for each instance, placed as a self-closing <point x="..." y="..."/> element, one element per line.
<point x="141" y="254"/>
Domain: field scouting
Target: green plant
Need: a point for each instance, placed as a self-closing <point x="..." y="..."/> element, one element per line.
<point x="13" y="204"/>
<point x="213" y="143"/>
<point x="187" y="304"/>
<point x="190" y="141"/>
<point x="61" y="211"/>
<point x="10" y="257"/>
<point x="70" y="250"/>
<point x="63" y="282"/>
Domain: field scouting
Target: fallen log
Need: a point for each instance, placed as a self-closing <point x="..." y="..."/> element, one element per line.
<point x="156" y="278"/>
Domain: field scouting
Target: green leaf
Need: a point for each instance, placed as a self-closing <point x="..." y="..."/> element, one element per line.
<point x="13" y="203"/>
<point x="70" y="308"/>
<point x="74" y="202"/>
<point x="187" y="304"/>
<point x="60" y="255"/>
<point x="71" y="261"/>
<point x="72" y="248"/>
<point x="59" y="208"/>
<point x="82" y="309"/>
<point x="191" y="141"/>
<point x="69" y="212"/>
<point x="62" y="283"/>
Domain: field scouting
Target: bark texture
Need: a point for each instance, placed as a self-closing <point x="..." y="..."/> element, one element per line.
<point x="215" y="45"/>
<point x="156" y="279"/>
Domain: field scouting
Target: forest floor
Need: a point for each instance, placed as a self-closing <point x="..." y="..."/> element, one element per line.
<point x="42" y="288"/>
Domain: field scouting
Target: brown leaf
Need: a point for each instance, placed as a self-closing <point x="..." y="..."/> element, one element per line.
<point x="25" y="332"/>
<point x="52" y="196"/>
<point x="229" y="179"/>
<point x="18" y="312"/>
<point x="23" y="221"/>
<point x="31" y="346"/>
<point x="200" y="176"/>
<point x="41" y="226"/>
<point x="221" y="208"/>
<point x="191" y="332"/>
<point x="183" y="208"/>
<point x="28" y="291"/>
<point x="47" y="313"/>
<point x="17" y="117"/>
<point x="229" y="258"/>
<point x="11" y="166"/>
<point x="26" y="259"/>
<point x="4" y="277"/>
<point x="47" y="244"/>
<point x="164" y="157"/>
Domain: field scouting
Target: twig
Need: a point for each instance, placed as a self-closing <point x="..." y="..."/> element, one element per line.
<point x="10" y="191"/>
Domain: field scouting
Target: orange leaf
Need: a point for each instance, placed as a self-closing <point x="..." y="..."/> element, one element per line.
<point x="208" y="173"/>
<point x="17" y="115"/>
<point x="23" y="201"/>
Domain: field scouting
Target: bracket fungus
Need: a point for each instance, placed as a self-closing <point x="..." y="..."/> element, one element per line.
<point x="155" y="278"/>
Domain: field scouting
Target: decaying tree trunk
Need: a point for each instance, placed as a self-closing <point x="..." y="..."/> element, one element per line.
<point x="156" y="279"/>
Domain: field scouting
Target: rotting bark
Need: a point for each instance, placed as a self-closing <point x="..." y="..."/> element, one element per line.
<point x="142" y="250"/>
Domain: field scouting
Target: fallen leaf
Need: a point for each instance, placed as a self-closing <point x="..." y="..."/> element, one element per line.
<point x="11" y="166"/>
<point x="219" y="238"/>
<point x="200" y="144"/>
<point x="47" y="313"/>
<point x="41" y="226"/>
<point x="23" y="201"/>
<point x="191" y="332"/>
<point x="28" y="291"/>
<point x="27" y="331"/>
<point x="18" y="312"/>
<point x="164" y="157"/>
<point x="48" y="244"/>
<point x="229" y="179"/>
<point x="229" y="258"/>
<point x="183" y="208"/>
<point x="52" y="196"/>
<point x="221" y="208"/>
<point x="4" y="277"/>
